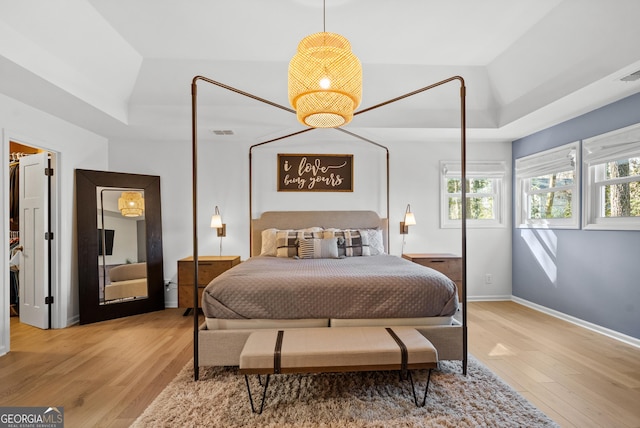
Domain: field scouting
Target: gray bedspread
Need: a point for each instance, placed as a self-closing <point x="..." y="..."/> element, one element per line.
<point x="382" y="286"/>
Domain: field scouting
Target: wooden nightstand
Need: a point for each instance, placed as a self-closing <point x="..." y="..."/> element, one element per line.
<point x="208" y="268"/>
<point x="448" y="264"/>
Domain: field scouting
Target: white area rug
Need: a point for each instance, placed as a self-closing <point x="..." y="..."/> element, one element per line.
<point x="374" y="399"/>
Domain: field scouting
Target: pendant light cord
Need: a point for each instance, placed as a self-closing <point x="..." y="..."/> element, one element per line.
<point x="324" y="16"/>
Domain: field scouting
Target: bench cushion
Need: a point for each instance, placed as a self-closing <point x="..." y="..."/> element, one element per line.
<point x="336" y="349"/>
<point x="124" y="289"/>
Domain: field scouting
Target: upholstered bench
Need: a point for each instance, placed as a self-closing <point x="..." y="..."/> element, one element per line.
<point x="340" y="349"/>
<point x="127" y="280"/>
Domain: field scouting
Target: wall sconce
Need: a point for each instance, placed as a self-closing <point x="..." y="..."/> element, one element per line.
<point x="409" y="220"/>
<point x="216" y="223"/>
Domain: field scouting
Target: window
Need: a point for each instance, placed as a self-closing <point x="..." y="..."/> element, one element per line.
<point x="547" y="189"/>
<point x="485" y="190"/>
<point x="612" y="180"/>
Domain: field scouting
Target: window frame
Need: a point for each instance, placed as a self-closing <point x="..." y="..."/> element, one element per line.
<point x="496" y="171"/>
<point x="546" y="162"/>
<point x="596" y="152"/>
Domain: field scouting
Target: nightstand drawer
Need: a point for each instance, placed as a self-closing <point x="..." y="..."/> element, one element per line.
<point x="450" y="267"/>
<point x="207" y="270"/>
<point x="209" y="267"/>
<point x="448" y="264"/>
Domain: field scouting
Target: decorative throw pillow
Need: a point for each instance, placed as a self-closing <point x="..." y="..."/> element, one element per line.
<point x="356" y="244"/>
<point x="318" y="248"/>
<point x="336" y="233"/>
<point x="376" y="241"/>
<point x="287" y="241"/>
<point x="268" y="239"/>
<point x="350" y="242"/>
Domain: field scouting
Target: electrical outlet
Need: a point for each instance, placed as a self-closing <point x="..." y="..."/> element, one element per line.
<point x="488" y="278"/>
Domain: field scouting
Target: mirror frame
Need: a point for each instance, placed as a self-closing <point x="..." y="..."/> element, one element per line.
<point x="87" y="182"/>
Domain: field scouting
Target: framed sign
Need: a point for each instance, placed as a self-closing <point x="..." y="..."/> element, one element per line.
<point x="315" y="173"/>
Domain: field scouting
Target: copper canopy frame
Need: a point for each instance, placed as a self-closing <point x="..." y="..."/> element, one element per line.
<point x="194" y="176"/>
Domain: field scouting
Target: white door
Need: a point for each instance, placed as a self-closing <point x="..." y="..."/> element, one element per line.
<point x="34" y="214"/>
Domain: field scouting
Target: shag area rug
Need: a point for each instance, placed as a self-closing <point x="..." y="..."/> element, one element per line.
<point x="370" y="399"/>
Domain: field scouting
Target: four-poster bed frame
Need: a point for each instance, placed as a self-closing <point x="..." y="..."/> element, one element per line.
<point x="246" y="94"/>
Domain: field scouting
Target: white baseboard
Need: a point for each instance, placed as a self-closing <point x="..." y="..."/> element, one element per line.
<point x="75" y="319"/>
<point x="582" y="323"/>
<point x="489" y="298"/>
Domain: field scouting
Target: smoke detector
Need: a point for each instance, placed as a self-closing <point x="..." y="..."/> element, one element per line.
<point x="222" y="131"/>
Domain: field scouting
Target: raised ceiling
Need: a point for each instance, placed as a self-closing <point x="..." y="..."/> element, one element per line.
<point x="123" y="68"/>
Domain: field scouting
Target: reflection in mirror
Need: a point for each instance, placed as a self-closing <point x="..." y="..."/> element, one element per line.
<point x="122" y="253"/>
<point x="119" y="245"/>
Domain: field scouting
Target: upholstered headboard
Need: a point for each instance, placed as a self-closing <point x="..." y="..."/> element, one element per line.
<point x="326" y="219"/>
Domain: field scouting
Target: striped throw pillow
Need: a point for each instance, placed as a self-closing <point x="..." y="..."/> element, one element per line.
<point x="326" y="248"/>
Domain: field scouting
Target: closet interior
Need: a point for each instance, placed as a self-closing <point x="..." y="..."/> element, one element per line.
<point x="16" y="151"/>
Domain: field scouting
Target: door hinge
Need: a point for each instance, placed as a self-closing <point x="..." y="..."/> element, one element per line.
<point x="48" y="300"/>
<point x="48" y="236"/>
<point x="48" y="171"/>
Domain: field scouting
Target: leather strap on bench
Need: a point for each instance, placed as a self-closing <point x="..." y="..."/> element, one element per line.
<point x="403" y="349"/>
<point x="277" y="353"/>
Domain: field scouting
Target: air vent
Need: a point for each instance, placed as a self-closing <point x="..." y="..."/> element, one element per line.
<point x="631" y="77"/>
<point x="222" y="131"/>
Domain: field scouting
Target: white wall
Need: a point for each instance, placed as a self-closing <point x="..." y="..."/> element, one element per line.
<point x="125" y="242"/>
<point x="74" y="148"/>
<point x="223" y="171"/>
<point x="489" y="250"/>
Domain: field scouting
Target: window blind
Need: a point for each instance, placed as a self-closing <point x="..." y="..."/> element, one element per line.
<point x="555" y="160"/>
<point x="485" y="169"/>
<point x="619" y="144"/>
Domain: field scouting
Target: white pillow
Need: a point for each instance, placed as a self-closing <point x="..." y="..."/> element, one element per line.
<point x="268" y="242"/>
<point x="324" y="248"/>
<point x="374" y="239"/>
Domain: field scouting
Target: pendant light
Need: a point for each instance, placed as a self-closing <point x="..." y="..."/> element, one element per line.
<point x="325" y="81"/>
<point x="131" y="204"/>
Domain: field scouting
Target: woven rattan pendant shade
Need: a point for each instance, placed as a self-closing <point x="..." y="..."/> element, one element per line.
<point x="325" y="81"/>
<point x="131" y="204"/>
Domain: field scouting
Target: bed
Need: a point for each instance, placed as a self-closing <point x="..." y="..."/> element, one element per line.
<point x="276" y="288"/>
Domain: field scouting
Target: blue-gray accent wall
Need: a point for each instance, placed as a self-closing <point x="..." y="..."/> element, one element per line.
<point x="587" y="274"/>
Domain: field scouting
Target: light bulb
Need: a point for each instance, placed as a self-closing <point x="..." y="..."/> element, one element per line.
<point x="325" y="83"/>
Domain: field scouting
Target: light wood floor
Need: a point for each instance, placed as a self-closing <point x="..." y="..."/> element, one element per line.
<point x="577" y="377"/>
<point x="106" y="374"/>
<point x="103" y="374"/>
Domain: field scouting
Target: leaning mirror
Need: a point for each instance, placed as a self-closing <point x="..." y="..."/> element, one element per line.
<point x="119" y="244"/>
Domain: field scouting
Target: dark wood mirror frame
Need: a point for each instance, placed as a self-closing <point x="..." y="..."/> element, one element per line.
<point x="87" y="182"/>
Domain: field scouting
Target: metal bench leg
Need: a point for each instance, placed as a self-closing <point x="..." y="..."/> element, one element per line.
<point x="426" y="389"/>
<point x="264" y="392"/>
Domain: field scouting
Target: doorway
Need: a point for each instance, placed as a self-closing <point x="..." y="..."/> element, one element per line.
<point x="31" y="224"/>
